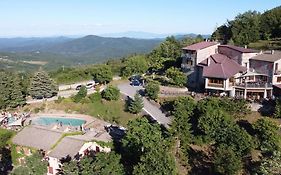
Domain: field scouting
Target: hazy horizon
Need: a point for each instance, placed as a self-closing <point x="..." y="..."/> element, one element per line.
<point x="31" y="18"/>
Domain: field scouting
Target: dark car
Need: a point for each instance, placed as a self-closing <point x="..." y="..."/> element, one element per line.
<point x="136" y="83"/>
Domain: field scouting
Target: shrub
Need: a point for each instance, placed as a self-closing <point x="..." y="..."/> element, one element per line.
<point x="59" y="100"/>
<point x="111" y="93"/>
<point x="95" y="97"/>
<point x="151" y="90"/>
<point x="226" y="161"/>
<point x="82" y="93"/>
<point x="85" y="100"/>
<point x="177" y="77"/>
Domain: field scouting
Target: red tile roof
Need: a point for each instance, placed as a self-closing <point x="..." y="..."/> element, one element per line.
<point x="221" y="67"/>
<point x="239" y="49"/>
<point x="199" y="46"/>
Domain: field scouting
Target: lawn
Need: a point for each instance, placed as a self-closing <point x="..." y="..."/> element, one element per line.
<point x="266" y="44"/>
<point x="112" y="111"/>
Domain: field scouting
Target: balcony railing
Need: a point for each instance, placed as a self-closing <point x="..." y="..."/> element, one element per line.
<point x="254" y="85"/>
<point x="217" y="85"/>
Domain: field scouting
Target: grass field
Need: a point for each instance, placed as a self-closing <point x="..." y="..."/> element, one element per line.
<point x="111" y="111"/>
<point x="266" y="45"/>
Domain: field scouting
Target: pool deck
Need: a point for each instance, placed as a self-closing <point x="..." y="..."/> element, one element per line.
<point x="44" y="137"/>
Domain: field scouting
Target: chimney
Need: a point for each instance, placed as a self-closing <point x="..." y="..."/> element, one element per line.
<point x="272" y="52"/>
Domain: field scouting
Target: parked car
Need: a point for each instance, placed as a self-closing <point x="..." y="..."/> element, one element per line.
<point x="136" y="83"/>
<point x="89" y="85"/>
<point x="78" y="87"/>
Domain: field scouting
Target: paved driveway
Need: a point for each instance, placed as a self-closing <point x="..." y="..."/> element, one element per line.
<point x="151" y="109"/>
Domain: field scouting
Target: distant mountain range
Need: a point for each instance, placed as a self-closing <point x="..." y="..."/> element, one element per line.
<point x="91" y="49"/>
<point x="103" y="47"/>
<point x="147" y="35"/>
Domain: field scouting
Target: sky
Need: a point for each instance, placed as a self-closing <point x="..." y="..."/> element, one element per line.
<point x="24" y="18"/>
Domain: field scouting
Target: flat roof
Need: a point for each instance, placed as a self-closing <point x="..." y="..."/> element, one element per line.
<point x="37" y="137"/>
<point x="67" y="147"/>
<point x="267" y="56"/>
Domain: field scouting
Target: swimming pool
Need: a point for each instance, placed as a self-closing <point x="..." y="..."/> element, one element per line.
<point x="56" y="120"/>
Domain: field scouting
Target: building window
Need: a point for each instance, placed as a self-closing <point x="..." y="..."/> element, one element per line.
<point x="216" y="81"/>
<point x="278" y="79"/>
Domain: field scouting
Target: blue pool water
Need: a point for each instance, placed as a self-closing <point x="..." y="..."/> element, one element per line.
<point x="11" y="120"/>
<point x="64" y="121"/>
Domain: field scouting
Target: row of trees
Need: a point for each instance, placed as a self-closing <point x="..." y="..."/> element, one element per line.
<point x="250" y="26"/>
<point x="14" y="88"/>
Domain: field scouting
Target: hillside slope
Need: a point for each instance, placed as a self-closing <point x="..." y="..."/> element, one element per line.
<point x="103" y="47"/>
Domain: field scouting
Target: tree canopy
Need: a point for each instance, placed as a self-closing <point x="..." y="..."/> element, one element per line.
<point x="267" y="134"/>
<point x="135" y="65"/>
<point x="176" y="76"/>
<point x="11" y="92"/>
<point x="111" y="93"/>
<point x="135" y="105"/>
<point x="152" y="89"/>
<point x="102" y="73"/>
<point x="100" y="164"/>
<point x="250" y="26"/>
<point x="42" y="86"/>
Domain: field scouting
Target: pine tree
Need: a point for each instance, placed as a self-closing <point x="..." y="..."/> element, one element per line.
<point x="10" y="91"/>
<point x="15" y="92"/>
<point x="42" y="86"/>
<point x="136" y="105"/>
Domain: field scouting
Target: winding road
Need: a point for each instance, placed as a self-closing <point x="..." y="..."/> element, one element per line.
<point x="149" y="108"/>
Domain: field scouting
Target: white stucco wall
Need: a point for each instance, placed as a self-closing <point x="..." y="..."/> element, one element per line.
<point x="205" y="53"/>
<point x="55" y="163"/>
<point x="246" y="57"/>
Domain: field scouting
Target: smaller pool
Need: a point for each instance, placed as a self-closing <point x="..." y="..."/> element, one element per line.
<point x="56" y="120"/>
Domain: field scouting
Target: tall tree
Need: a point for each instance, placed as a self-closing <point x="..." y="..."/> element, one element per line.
<point x="267" y="134"/>
<point x="11" y="94"/>
<point x="42" y="86"/>
<point x="134" y="65"/>
<point x="270" y="165"/>
<point x="100" y="164"/>
<point x="226" y="161"/>
<point x="102" y="73"/>
<point x="111" y="93"/>
<point x="222" y="33"/>
<point x="170" y="48"/>
<point x="155" y="162"/>
<point x="246" y="28"/>
<point x="183" y="110"/>
<point x="147" y="148"/>
<point x="271" y="23"/>
<point x="152" y="89"/>
<point x="176" y="76"/>
<point x="135" y="105"/>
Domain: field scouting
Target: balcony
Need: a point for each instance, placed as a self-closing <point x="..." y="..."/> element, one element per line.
<point x="216" y="85"/>
<point x="252" y="85"/>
